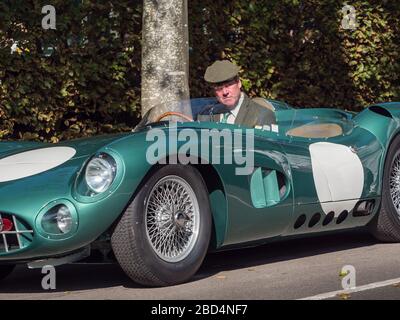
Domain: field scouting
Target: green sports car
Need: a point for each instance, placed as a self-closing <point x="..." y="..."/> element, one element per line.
<point x="159" y="198"/>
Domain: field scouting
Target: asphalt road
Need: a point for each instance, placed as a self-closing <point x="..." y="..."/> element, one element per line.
<point x="292" y="269"/>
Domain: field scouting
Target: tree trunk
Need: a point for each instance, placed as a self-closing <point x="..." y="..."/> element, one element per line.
<point x="165" y="53"/>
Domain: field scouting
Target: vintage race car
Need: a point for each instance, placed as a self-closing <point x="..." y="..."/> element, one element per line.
<point x="159" y="198"/>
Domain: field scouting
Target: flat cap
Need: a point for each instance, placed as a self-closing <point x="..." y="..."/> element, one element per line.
<point x="221" y="71"/>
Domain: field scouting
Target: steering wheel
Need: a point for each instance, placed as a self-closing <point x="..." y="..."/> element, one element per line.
<point x="174" y="113"/>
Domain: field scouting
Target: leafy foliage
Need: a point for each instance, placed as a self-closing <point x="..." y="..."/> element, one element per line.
<point x="80" y="79"/>
<point x="297" y="51"/>
<point x="84" y="77"/>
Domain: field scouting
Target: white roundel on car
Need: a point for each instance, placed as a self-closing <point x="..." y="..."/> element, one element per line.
<point x="338" y="176"/>
<point x="29" y="163"/>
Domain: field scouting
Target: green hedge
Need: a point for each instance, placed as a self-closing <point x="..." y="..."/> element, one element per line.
<point x="297" y="51"/>
<point x="90" y="82"/>
<point x="88" y="85"/>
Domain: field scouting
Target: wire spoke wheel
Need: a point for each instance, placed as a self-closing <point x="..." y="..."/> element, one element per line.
<point x="386" y="224"/>
<point x="164" y="234"/>
<point x="394" y="183"/>
<point x="172" y="218"/>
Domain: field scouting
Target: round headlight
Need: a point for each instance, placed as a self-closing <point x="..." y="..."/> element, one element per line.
<point x="58" y="220"/>
<point x="64" y="219"/>
<point x="100" y="172"/>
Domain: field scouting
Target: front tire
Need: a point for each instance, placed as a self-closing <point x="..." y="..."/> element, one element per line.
<point x="163" y="236"/>
<point x="386" y="226"/>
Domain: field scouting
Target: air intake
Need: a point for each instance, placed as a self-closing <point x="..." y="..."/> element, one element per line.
<point x="314" y="220"/>
<point x="342" y="216"/>
<point x="364" y="208"/>
<point x="13" y="234"/>
<point x="300" y="221"/>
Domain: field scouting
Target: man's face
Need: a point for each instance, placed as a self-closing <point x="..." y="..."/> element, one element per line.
<point x="228" y="93"/>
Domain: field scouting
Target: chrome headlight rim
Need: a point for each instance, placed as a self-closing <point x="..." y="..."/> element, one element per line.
<point x="51" y="234"/>
<point x="81" y="191"/>
<point x="101" y="181"/>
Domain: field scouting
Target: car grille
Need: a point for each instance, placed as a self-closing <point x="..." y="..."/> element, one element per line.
<point x="14" y="233"/>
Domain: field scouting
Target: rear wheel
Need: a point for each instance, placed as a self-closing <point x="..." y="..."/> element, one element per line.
<point x="5" y="270"/>
<point x="386" y="226"/>
<point x="163" y="236"/>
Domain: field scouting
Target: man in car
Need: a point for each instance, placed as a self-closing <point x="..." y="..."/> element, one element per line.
<point x="237" y="107"/>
